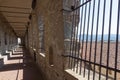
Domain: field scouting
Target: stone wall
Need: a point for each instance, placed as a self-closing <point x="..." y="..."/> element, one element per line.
<point x="49" y="61"/>
<point x="8" y="38"/>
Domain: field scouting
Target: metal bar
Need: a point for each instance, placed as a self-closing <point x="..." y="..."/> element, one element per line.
<point x="76" y="7"/>
<point x="108" y="47"/>
<point x="91" y="38"/>
<point x="73" y="38"/>
<point x="73" y="46"/>
<point x="66" y="16"/>
<point x="87" y="37"/>
<point x="80" y="32"/>
<point x="83" y="37"/>
<point x="70" y="43"/>
<point x="76" y="55"/>
<point x="82" y="5"/>
<point x="104" y="66"/>
<point x="102" y="38"/>
<point x="15" y="12"/>
<point x="96" y="38"/>
<point x="117" y="37"/>
<point x="74" y="31"/>
<point x="76" y="36"/>
<point x="14" y="7"/>
<point x="77" y="40"/>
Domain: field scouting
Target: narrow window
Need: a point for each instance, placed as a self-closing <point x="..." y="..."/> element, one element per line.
<point x="51" y="56"/>
<point x="41" y="34"/>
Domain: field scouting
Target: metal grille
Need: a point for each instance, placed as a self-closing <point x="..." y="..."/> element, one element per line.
<point x="92" y="38"/>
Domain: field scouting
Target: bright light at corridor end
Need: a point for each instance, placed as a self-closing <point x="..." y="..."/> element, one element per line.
<point x="19" y="40"/>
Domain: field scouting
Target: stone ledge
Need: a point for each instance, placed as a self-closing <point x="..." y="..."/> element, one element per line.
<point x="73" y="76"/>
<point x="42" y="54"/>
<point x="69" y="76"/>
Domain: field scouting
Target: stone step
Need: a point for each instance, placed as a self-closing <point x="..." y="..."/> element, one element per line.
<point x="5" y="56"/>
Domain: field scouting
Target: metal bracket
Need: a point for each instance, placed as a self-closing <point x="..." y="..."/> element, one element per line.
<point x="73" y="7"/>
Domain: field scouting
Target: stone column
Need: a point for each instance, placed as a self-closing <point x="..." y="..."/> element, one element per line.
<point x="3" y="42"/>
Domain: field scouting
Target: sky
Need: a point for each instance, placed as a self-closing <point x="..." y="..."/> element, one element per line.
<point x="107" y="14"/>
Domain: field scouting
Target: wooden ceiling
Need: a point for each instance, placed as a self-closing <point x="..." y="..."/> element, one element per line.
<point x="17" y="14"/>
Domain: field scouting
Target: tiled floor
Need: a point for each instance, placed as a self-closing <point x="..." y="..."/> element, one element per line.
<point x="20" y="66"/>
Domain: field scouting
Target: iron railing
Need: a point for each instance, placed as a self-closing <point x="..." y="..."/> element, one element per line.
<point x="92" y="38"/>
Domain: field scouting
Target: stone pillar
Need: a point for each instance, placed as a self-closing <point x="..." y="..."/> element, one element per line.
<point x="3" y="42"/>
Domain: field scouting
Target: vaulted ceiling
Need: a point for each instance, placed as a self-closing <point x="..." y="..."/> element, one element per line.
<point x="17" y="14"/>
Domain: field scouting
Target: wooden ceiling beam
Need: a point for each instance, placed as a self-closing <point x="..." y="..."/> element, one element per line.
<point x="14" y="7"/>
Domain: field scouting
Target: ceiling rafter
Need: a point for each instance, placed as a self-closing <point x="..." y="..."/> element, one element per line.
<point x="15" y="12"/>
<point x="18" y="16"/>
<point x="16" y="22"/>
<point x="15" y="7"/>
<point x="18" y="25"/>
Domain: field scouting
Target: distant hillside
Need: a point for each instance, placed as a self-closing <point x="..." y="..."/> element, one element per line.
<point x="105" y="38"/>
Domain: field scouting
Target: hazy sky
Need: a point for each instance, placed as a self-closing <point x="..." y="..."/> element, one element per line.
<point x="107" y="14"/>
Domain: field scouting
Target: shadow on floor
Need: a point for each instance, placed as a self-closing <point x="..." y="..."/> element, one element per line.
<point x="10" y="67"/>
<point x="14" y="58"/>
<point x="30" y="70"/>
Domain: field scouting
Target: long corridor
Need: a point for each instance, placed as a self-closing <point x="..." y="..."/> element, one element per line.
<point x="19" y="66"/>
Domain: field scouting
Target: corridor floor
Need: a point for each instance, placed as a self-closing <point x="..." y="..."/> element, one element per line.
<point x="19" y="66"/>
